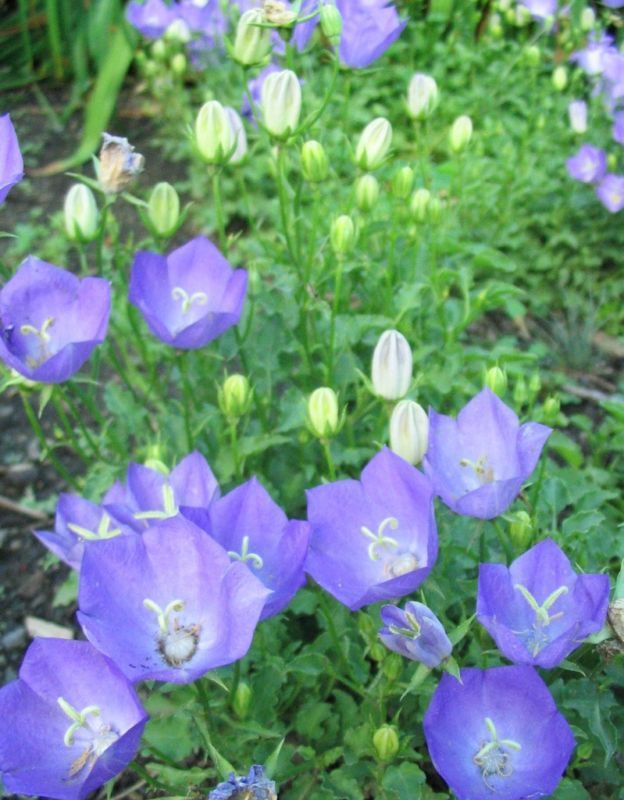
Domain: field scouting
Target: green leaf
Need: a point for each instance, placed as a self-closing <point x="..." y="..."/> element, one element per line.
<point x="270" y="765"/>
<point x="404" y="782"/>
<point x="67" y="593"/>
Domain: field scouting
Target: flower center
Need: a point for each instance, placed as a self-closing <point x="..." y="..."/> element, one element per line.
<point x="95" y="735"/>
<point x="245" y="555"/>
<point x="169" y="509"/>
<point x="177" y="643"/>
<point x="102" y="532"/>
<point x="43" y="337"/>
<point x="537" y="638"/>
<point x="187" y="300"/>
<point x="493" y="758"/>
<point x="480" y="467"/>
<point x="379" y="539"/>
<point x="413" y="632"/>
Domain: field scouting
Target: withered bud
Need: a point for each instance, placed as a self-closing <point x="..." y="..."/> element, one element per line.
<point x="119" y="164"/>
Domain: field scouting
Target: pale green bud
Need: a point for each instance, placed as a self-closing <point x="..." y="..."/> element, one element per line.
<point x="81" y="214"/>
<point x="434" y="208"/>
<point x="331" y="22"/>
<point x="342" y="235"/>
<point x="323" y="414"/>
<point x="521" y="530"/>
<point x="520" y="394"/>
<point x="214" y="136"/>
<point x="178" y="32"/>
<point x="392" y="666"/>
<point x="242" y="700"/>
<point x="419" y="204"/>
<point x="402" y="183"/>
<point x="409" y="431"/>
<point x="461" y="133"/>
<point x="163" y="209"/>
<point x="535" y="384"/>
<point x="495" y="25"/>
<point x="159" y="50"/>
<point x="560" y="78"/>
<point x="235" y="396"/>
<point x="496" y="380"/>
<point x="612" y="161"/>
<point x="281" y="103"/>
<point x="588" y="19"/>
<point x="374" y="143"/>
<point x="422" y="96"/>
<point x="386" y="742"/>
<point x="523" y="16"/>
<point x="252" y="43"/>
<point x="314" y="161"/>
<point x="551" y="409"/>
<point x="532" y="55"/>
<point x="504" y="5"/>
<point x="367" y="192"/>
<point x="179" y="64"/>
<point x="391" y="370"/>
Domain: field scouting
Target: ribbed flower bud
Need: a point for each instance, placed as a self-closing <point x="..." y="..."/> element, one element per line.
<point x="366" y="192"/>
<point x="402" y="183"/>
<point x="240" y="137"/>
<point x="252" y="43"/>
<point x="560" y="78"/>
<point x="520" y="530"/>
<point x="179" y="64"/>
<point x="163" y="210"/>
<point x="496" y="380"/>
<point x="419" y="204"/>
<point x="461" y="133"/>
<point x="242" y="700"/>
<point x="81" y="214"/>
<point x="281" y="103"/>
<point x="314" y="162"/>
<point x="374" y="143"/>
<point x="323" y="414"/>
<point x="331" y="22"/>
<point x="235" y="396"/>
<point x="588" y="19"/>
<point x="551" y="409"/>
<point x="577" y="114"/>
<point x="422" y="96"/>
<point x="214" y="135"/>
<point x="520" y="393"/>
<point x="409" y="431"/>
<point x="386" y="742"/>
<point x="342" y="235"/>
<point x="391" y="370"/>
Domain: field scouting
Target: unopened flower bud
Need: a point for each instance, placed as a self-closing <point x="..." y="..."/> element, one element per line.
<point x="577" y="113"/>
<point x="416" y="633"/>
<point x="235" y="396"/>
<point x="342" y="235"/>
<point x="521" y="530"/>
<point x="323" y="414"/>
<point x="532" y="55"/>
<point x="242" y="700"/>
<point x="374" y="143"/>
<point x="331" y="22"/>
<point x="214" y="135"/>
<point x="434" y="208"/>
<point x="461" y="133"/>
<point x="240" y="137"/>
<point x="551" y="409"/>
<point x="252" y="43"/>
<point x="419" y="204"/>
<point x="178" y="32"/>
<point x="281" y="103"/>
<point x="386" y="742"/>
<point x="588" y="19"/>
<point x="314" y="162"/>
<point x="495" y="26"/>
<point x="520" y="393"/>
<point x="402" y="183"/>
<point x="81" y="214"/>
<point x="366" y="192"/>
<point x="118" y="163"/>
<point x="409" y="431"/>
<point x="496" y="380"/>
<point x="560" y="78"/>
<point x="163" y="210"/>
<point x="179" y="64"/>
<point x="159" y="49"/>
<point x="392" y="666"/>
<point x="422" y="96"/>
<point x="535" y="384"/>
<point x="391" y="370"/>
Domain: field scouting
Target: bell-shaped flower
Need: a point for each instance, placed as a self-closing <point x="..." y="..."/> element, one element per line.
<point x="168" y="605"/>
<point x="152" y="494"/>
<point x="416" y="633"/>
<point x="539" y="610"/>
<point x="71" y="722"/>
<point x="255" y="786"/>
<point x="373" y="539"/>
<point x="589" y="165"/>
<point x="610" y="192"/>
<point x="254" y="529"/>
<point x="497" y="733"/>
<point x="50" y="320"/>
<point x="152" y="18"/>
<point x="479" y="461"/>
<point x="11" y="162"/>
<point x="189" y="297"/>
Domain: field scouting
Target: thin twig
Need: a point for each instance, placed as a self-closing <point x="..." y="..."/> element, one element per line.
<point x="16" y="508"/>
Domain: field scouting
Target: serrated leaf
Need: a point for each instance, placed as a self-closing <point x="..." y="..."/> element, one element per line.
<point x="404" y="781"/>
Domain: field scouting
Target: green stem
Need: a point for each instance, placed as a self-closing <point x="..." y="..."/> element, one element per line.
<point x="332" y="322"/>
<point x="33" y="419"/>
<point x="187" y="397"/>
<point x="219" y="211"/>
<point x="234" y="447"/>
<point x="331" y="467"/>
<point x="68" y="428"/>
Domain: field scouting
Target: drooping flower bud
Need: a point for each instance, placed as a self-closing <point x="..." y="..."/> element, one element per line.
<point x="391" y="370"/>
<point x="374" y="143"/>
<point x="81" y="214"/>
<point x="214" y="135"/>
<point x="163" y="209"/>
<point x="419" y="204"/>
<point x="314" y="162"/>
<point x="409" y="431"/>
<point x="560" y="78"/>
<point x="342" y="235"/>
<point x="496" y="380"/>
<point x="252" y="43"/>
<point x="366" y="192"/>
<point x="386" y="742"/>
<point x="235" y="396"/>
<point x="402" y="183"/>
<point x="281" y="103"/>
<point x="422" y="96"/>
<point x="323" y="414"/>
<point x="461" y="133"/>
<point x="577" y="114"/>
<point x="331" y="22"/>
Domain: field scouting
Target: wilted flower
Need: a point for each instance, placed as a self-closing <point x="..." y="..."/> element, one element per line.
<point x="409" y="431"/>
<point x="81" y="214"/>
<point x="168" y="605"/>
<point x="577" y="113"/>
<point x="589" y="165"/>
<point x="373" y="539"/>
<point x="11" y="163"/>
<point x="422" y="96"/>
<point x="373" y="144"/>
<point x="610" y="192"/>
<point x="416" y="633"/>
<point x="72" y="721"/>
<point x="479" y="461"/>
<point x="189" y="297"/>
<point x="281" y="103"/>
<point x="539" y="610"/>
<point x="391" y="370"/>
<point x="254" y="786"/>
<point x="497" y="733"/>
<point x="118" y="164"/>
<point x="50" y="320"/>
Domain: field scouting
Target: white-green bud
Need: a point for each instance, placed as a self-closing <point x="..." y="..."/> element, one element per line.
<point x="252" y="43"/>
<point x="163" y="209"/>
<point x="551" y="409"/>
<point x="179" y="64"/>
<point x="159" y="50"/>
<point x="323" y="414"/>
<point x="242" y="700"/>
<point x="281" y="103"/>
<point x="560" y="78"/>
<point x="374" y="143"/>
<point x="409" y="431"/>
<point x="240" y="137"/>
<point x="520" y="393"/>
<point x="435" y="208"/>
<point x="422" y="96"/>
<point x="532" y="55"/>
<point x="588" y="19"/>
<point x="178" y="32"/>
<point x="402" y="183"/>
<point x="496" y="380"/>
<point x="419" y="204"/>
<point x="391" y="370"/>
<point x="331" y="22"/>
<point x="386" y="742"/>
<point x="214" y="136"/>
<point x="314" y="161"/>
<point x="495" y="26"/>
<point x="342" y="235"/>
<point x="235" y="396"/>
<point x="461" y="133"/>
<point x="81" y="214"/>
<point x="366" y="192"/>
<point x="520" y="530"/>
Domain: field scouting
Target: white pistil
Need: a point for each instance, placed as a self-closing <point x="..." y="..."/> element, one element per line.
<point x="169" y="508"/>
<point x="163" y="616"/>
<point x="102" y="532"/>
<point x="178" y="293"/>
<point x="176" y="643"/>
<point x="44" y="338"/>
<point x="542" y="612"/>
<point x="245" y="555"/>
<point x="493" y="758"/>
<point x="484" y="473"/>
<point x="379" y="539"/>
<point x="79" y="718"/>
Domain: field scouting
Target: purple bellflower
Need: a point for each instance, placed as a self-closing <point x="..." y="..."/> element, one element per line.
<point x="498" y="733"/>
<point x="254" y="529"/>
<point x="591" y="59"/>
<point x="373" y="539"/>
<point x="189" y="297"/>
<point x="152" y="18"/>
<point x="168" y="605"/>
<point x="610" y="192"/>
<point x="540" y="9"/>
<point x="539" y="610"/>
<point x="11" y="163"/>
<point x="415" y="633"/>
<point x="50" y="320"/>
<point x="589" y="165"/>
<point x="72" y="721"/>
<point x="254" y="786"/>
<point x="479" y="461"/>
<point x="618" y="127"/>
<point x="151" y="494"/>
